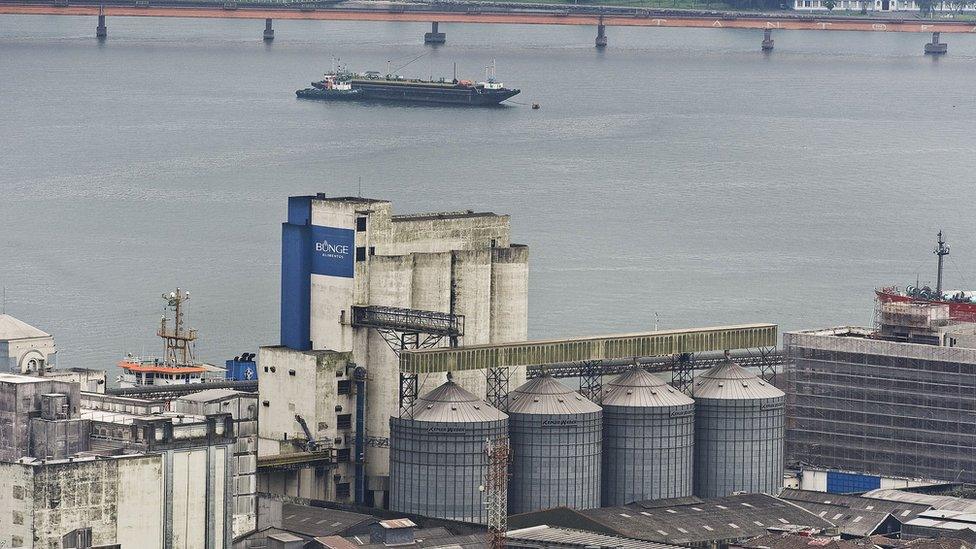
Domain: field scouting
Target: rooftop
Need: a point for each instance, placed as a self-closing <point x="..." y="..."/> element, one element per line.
<point x="450" y="403"/>
<point x="318" y="521"/>
<point x="640" y="388"/>
<point x="552" y="536"/>
<point x="12" y="329"/>
<point x="682" y="521"/>
<point x="211" y="395"/>
<point x="817" y="502"/>
<point x="947" y="503"/>
<point x="796" y="541"/>
<point x="545" y="395"/>
<point x="728" y="380"/>
<point x="443" y="215"/>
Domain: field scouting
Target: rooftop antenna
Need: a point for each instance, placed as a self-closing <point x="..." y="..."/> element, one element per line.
<point x="455" y="71"/>
<point x="941" y="250"/>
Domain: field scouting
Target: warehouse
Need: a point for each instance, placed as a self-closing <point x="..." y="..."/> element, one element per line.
<point x="687" y="521"/>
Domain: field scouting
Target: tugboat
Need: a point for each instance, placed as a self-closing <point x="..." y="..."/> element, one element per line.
<point x="370" y="86"/>
<point x="962" y="303"/>
<point x="177" y="367"/>
<point x="335" y="87"/>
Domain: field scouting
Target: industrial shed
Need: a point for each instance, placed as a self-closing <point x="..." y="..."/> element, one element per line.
<point x="682" y="521"/>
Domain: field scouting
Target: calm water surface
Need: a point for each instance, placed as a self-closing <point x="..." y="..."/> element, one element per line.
<point x="680" y="177"/>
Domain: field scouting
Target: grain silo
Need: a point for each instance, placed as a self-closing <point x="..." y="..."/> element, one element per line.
<point x="648" y="439"/>
<point x="555" y="442"/>
<point x="437" y="456"/>
<point x="739" y="427"/>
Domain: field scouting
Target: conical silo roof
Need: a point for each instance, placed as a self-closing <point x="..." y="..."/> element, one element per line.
<point x="642" y="389"/>
<point x="730" y="381"/>
<point x="545" y="395"/>
<point x="450" y="403"/>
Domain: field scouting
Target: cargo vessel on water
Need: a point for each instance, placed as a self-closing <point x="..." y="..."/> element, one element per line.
<point x="962" y="303"/>
<point x="371" y="86"/>
<point x="177" y="367"/>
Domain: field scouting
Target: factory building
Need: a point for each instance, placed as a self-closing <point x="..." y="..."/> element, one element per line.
<point x="859" y="403"/>
<point x="83" y="468"/>
<point x="362" y="282"/>
<point x="648" y="440"/>
<point x="438" y="461"/>
<point x="739" y="430"/>
<point x="243" y="410"/>
<point x="555" y="439"/>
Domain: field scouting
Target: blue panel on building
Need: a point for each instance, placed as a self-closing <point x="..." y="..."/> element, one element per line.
<point x="851" y="483"/>
<point x="333" y="251"/>
<point x="300" y="210"/>
<point x="241" y="370"/>
<point x="296" y="286"/>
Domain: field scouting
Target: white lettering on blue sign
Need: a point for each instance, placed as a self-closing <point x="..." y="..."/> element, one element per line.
<point x="332" y="251"/>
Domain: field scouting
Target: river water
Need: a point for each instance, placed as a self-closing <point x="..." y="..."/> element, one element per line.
<point x="678" y="178"/>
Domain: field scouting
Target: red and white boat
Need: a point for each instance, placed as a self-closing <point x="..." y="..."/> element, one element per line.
<point x="962" y="303"/>
<point x="177" y="366"/>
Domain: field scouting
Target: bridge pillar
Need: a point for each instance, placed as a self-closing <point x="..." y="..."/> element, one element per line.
<point x="767" y="43"/>
<point x="935" y="47"/>
<point x="268" y="30"/>
<point x="101" y="31"/>
<point x="601" y="34"/>
<point x="434" y="36"/>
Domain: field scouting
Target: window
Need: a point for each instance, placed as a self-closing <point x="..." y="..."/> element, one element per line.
<point x="344" y="421"/>
<point x="342" y="490"/>
<point x="344" y="387"/>
<point x="360" y="224"/>
<point x="360" y="253"/>
<point x="372" y="250"/>
<point x="343" y="454"/>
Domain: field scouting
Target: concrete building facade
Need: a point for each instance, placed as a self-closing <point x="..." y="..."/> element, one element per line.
<point x="24" y="349"/>
<point x="340" y="253"/>
<point x="882" y="408"/>
<point x="243" y="409"/>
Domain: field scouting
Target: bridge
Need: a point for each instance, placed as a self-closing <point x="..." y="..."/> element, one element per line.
<point x="482" y="13"/>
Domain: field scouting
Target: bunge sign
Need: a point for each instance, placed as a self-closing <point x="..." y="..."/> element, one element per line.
<point x="333" y="251"/>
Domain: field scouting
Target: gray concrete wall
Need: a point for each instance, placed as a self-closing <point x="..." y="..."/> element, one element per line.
<point x="120" y="499"/>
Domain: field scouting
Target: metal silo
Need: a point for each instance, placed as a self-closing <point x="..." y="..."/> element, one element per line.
<point x="437" y="456"/>
<point x="739" y="427"/>
<point x="648" y="439"/>
<point x="555" y="442"/>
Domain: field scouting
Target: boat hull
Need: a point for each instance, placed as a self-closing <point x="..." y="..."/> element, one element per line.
<point x="442" y="95"/>
<point x="328" y="95"/>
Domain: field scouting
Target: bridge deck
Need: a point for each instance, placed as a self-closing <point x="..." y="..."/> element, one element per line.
<point x="509" y="18"/>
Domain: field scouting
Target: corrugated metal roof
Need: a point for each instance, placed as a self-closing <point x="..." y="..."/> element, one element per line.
<point x="211" y="395"/>
<point x="901" y="510"/>
<point x="640" y="388"/>
<point x="948" y="503"/>
<point x="730" y="381"/>
<point x="568" y="537"/>
<point x="12" y="328"/>
<point x="545" y="395"/>
<point x="450" y="403"/>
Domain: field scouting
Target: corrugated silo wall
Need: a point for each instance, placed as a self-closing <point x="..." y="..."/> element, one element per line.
<point x="738" y="446"/>
<point x="648" y="453"/>
<point x="437" y="469"/>
<point x="555" y="461"/>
